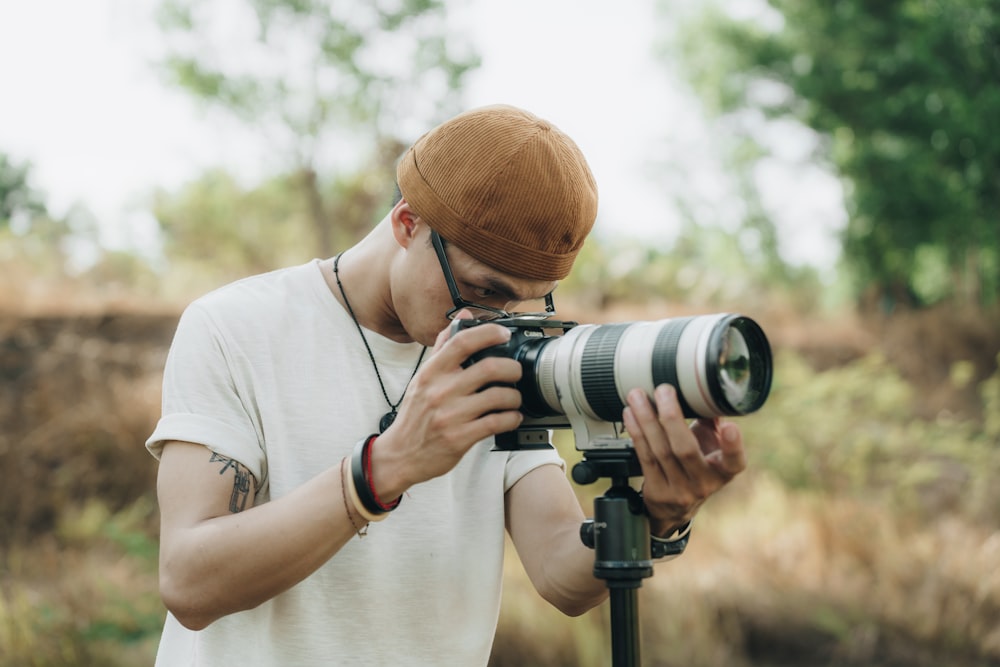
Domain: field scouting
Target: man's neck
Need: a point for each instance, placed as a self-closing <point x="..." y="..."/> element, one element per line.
<point x="363" y="270"/>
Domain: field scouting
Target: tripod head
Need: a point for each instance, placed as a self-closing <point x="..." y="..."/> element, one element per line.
<point x="619" y="531"/>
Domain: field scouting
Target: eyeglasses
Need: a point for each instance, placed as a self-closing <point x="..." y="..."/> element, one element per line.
<point x="479" y="311"/>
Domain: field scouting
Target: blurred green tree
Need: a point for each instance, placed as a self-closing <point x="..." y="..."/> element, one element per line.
<point x="20" y="203"/>
<point x="904" y="95"/>
<point x="318" y="81"/>
<point x="44" y="252"/>
<point x="31" y="239"/>
<point x="220" y="230"/>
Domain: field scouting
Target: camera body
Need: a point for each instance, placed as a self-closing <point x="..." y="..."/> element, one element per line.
<point x="578" y="376"/>
<point x="528" y="338"/>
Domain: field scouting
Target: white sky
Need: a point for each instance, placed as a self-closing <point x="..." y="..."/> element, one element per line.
<point x="79" y="100"/>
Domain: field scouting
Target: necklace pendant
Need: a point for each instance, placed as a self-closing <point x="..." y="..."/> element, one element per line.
<point x="386" y="421"/>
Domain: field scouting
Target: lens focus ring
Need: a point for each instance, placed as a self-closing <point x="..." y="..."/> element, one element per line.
<point x="597" y="372"/>
<point x="664" y="358"/>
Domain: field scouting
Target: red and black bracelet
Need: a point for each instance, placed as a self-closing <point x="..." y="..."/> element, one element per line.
<point x="361" y="472"/>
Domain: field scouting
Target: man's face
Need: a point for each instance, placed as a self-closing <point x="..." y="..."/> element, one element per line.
<point x="426" y="302"/>
<point x="499" y="288"/>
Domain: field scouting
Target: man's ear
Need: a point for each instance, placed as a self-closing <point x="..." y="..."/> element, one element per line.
<point x="405" y="223"/>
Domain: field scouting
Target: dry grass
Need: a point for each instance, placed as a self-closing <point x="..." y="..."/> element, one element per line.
<point x="83" y="594"/>
<point x="27" y="293"/>
<point x="78" y="397"/>
<point x="773" y="576"/>
<point x="786" y="567"/>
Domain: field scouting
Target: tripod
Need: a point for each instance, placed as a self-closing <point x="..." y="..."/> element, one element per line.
<point x="619" y="535"/>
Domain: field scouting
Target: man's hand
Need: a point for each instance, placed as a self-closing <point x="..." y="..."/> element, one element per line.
<point x="682" y="465"/>
<point x="448" y="409"/>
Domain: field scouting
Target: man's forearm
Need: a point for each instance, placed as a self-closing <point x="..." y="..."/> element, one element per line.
<point x="568" y="580"/>
<point x="237" y="561"/>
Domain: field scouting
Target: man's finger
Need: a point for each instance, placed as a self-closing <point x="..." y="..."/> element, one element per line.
<point x="730" y="459"/>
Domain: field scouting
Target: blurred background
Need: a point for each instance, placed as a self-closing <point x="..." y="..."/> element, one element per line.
<point x="831" y="169"/>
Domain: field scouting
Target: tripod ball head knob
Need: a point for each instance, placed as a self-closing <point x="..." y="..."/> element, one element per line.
<point x="587" y="533"/>
<point x="585" y="473"/>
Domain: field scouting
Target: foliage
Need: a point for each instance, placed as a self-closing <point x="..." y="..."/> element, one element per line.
<point x="32" y="239"/>
<point x="707" y="266"/>
<point x="20" y="203"/>
<point x="78" y="396"/>
<point x="26" y="228"/>
<point x="851" y="432"/>
<point x="858" y="522"/>
<point x="78" y="556"/>
<point x="319" y="79"/>
<point x="855" y="526"/>
<point x="103" y="610"/>
<point x="216" y="230"/>
<point x="904" y="95"/>
<point x="312" y="63"/>
<point x="123" y="272"/>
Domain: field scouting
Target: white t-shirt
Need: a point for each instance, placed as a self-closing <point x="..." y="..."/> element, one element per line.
<point x="271" y="371"/>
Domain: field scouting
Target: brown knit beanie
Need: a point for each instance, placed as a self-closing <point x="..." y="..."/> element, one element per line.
<point x="506" y="187"/>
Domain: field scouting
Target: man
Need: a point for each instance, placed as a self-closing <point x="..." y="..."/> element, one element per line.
<point x="327" y="490"/>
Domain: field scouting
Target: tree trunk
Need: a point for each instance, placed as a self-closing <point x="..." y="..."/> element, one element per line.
<point x="317" y="213"/>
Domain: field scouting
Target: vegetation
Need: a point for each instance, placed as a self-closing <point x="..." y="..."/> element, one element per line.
<point x="903" y="99"/>
<point x="319" y="80"/>
<point x="864" y="533"/>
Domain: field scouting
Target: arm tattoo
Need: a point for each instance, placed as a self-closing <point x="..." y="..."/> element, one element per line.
<point x="241" y="482"/>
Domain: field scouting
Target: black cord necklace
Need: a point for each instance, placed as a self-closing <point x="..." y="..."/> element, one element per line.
<point x="390" y="416"/>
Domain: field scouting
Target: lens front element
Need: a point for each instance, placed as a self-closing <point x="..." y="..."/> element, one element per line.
<point x="734" y="367"/>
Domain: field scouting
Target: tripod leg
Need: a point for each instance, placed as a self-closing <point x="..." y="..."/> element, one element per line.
<point x="624" y="627"/>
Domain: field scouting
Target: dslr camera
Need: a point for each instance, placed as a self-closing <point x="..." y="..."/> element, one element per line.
<point x="577" y="376"/>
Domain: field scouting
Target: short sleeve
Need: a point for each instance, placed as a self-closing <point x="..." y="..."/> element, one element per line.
<point x="205" y="397"/>
<point x="521" y="462"/>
